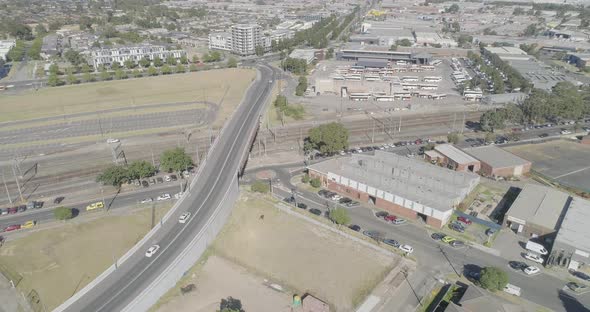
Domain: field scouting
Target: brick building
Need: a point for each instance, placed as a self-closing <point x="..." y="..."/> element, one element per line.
<point x="496" y="162"/>
<point x="455" y="159"/>
<point x="403" y="186"/>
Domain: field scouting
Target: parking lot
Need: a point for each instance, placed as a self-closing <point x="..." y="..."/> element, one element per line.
<point x="562" y="160"/>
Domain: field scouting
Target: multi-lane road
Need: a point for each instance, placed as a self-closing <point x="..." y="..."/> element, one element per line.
<point x="119" y="288"/>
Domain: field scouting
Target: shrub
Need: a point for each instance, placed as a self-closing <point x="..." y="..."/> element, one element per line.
<point x="62" y="213"/>
<point x="315" y="182"/>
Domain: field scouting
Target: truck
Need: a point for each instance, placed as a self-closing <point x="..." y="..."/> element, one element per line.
<point x="536" y="247"/>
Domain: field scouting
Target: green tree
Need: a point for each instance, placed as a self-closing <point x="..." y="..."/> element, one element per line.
<point x="492" y="120"/>
<point x="40" y="30"/>
<point x="393" y="47"/>
<point x="152" y="71"/>
<point x="330" y="53"/>
<point x="166" y="69"/>
<point x="158" y="61"/>
<point x="489" y="137"/>
<point x="171" y="60"/>
<point x="115" y="66"/>
<point x="35" y="49"/>
<point x="136" y="73"/>
<point x="184" y="60"/>
<point x="71" y="78"/>
<point x="113" y="175"/>
<point x="232" y="62"/>
<point x="17" y="52"/>
<point x="179" y="68"/>
<point x="453" y="138"/>
<point x="120" y="74"/>
<point x="259" y="50"/>
<point x="329" y="138"/>
<point x="62" y="213"/>
<point x="193" y="67"/>
<point x="340" y="216"/>
<point x="175" y="160"/>
<point x="140" y="169"/>
<point x="230" y="304"/>
<point x="260" y="187"/>
<point x="301" y="87"/>
<point x="493" y="278"/>
<point x="404" y="42"/>
<point x="53" y="80"/>
<point x="129" y="64"/>
<point x="454" y="8"/>
<point x="195" y="58"/>
<point x="305" y="178"/>
<point x="105" y="75"/>
<point x="315" y="182"/>
<point x="74" y="57"/>
<point x="144" y="62"/>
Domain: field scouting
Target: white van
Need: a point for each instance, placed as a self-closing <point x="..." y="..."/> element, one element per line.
<point x="513" y="290"/>
<point x="536" y="247"/>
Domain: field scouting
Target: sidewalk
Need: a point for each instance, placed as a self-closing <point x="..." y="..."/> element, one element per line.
<point x="12" y="300"/>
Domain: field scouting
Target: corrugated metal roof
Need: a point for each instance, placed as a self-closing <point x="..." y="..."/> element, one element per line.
<point x="496" y="157"/>
<point x="539" y="205"/>
<point x="574" y="229"/>
<point x="455" y="154"/>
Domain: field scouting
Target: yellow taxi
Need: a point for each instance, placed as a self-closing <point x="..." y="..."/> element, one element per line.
<point x="448" y="239"/>
<point x="28" y="224"/>
<point x="96" y="205"/>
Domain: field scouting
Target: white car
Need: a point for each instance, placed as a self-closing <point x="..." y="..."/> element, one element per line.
<point x="336" y="197"/>
<point x="152" y="251"/>
<point x="406" y="248"/>
<point x="566" y="132"/>
<point x="164" y="197"/>
<point x="112" y="141"/>
<point x="532" y="270"/>
<point x="167" y="179"/>
<point x="533" y="257"/>
<point x="185" y="216"/>
<point x="147" y="200"/>
<point x="178" y="195"/>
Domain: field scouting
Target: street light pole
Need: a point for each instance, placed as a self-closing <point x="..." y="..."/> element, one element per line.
<point x="6" y="187"/>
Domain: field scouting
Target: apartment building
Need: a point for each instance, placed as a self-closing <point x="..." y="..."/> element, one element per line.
<point x="220" y="41"/>
<point x="245" y="38"/>
<point x="107" y="57"/>
<point x="5" y="46"/>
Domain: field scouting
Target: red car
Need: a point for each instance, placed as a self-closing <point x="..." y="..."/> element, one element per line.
<point x="390" y="218"/>
<point x="12" y="228"/>
<point x="464" y="220"/>
<point x="13" y="210"/>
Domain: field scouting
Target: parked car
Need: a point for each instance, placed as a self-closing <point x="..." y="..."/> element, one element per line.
<point x="490" y="232"/>
<point x="543" y="135"/>
<point x="565" y="131"/>
<point x="398" y="221"/>
<point x="353" y="204"/>
<point x="28" y="224"/>
<point x="178" y="195"/>
<point x="518" y="265"/>
<point x="173" y="177"/>
<point x="530" y="270"/>
<point x="464" y="220"/>
<point x="448" y="239"/>
<point x="167" y="179"/>
<point x="152" y="181"/>
<point x="147" y="200"/>
<point x="575" y="287"/>
<point x="152" y="251"/>
<point x="354" y="227"/>
<point x="511" y="289"/>
<point x="21" y="208"/>
<point x="534" y="257"/>
<point x="301" y="205"/>
<point x="4" y="211"/>
<point x="12" y="227"/>
<point x="184" y="217"/>
<point x="392" y="242"/>
<point x="389" y="218"/>
<point x="437" y="236"/>
<point x="536" y="247"/>
<point x="475" y="275"/>
<point x="58" y="200"/>
<point x="581" y="275"/>
<point x="289" y="200"/>
<point x="372" y="234"/>
<point x="165" y="196"/>
<point x="456" y="227"/>
<point x="145" y="183"/>
<point x="315" y="211"/>
<point x="381" y="214"/>
<point x="406" y="248"/>
<point x="457" y="243"/>
<point x="159" y="180"/>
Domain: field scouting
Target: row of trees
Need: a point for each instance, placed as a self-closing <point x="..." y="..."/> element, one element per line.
<point x="295" y="65"/>
<point x="171" y="160"/>
<point x="565" y="101"/>
<point x="284" y="109"/>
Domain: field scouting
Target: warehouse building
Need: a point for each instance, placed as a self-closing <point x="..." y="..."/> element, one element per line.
<point x="537" y="212"/>
<point x="496" y="162"/>
<point x="573" y="239"/>
<point x="454" y="158"/>
<point x="403" y="186"/>
<point x="354" y="52"/>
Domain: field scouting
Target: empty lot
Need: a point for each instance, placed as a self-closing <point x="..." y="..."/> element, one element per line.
<point x="562" y="160"/>
<point x="60" y="260"/>
<point x="299" y="255"/>
<point x="212" y="86"/>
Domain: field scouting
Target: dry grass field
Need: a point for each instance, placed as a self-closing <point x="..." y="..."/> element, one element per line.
<point x="213" y="86"/>
<point x="54" y="260"/>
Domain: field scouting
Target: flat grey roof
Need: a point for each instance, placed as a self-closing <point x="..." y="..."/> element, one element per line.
<point x="455" y="154"/>
<point x="496" y="157"/>
<point x="575" y="229"/>
<point x="433" y="186"/>
<point x="539" y="205"/>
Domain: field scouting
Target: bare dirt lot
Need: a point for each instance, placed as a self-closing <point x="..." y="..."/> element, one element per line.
<point x="236" y="281"/>
<point x="212" y="86"/>
<point x="299" y="255"/>
<point x="562" y="160"/>
<point x="57" y="260"/>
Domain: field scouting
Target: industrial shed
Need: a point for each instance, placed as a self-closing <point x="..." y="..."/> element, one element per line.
<point x="573" y="239"/>
<point x="456" y="159"/>
<point x="496" y="162"/>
